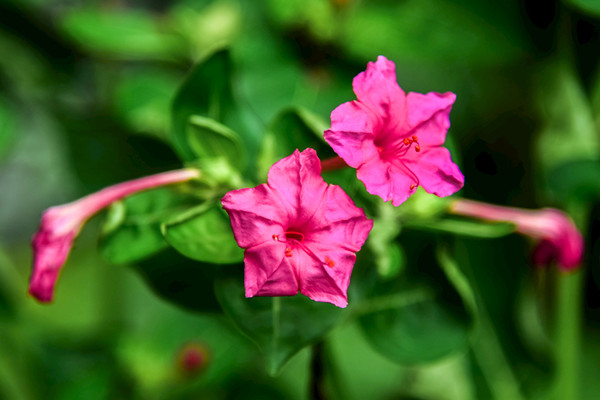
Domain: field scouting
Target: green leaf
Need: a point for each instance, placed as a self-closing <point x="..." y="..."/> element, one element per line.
<point x="569" y="132"/>
<point x="591" y="7"/>
<point x="466" y="33"/>
<point x="8" y="125"/>
<point x="317" y="14"/>
<point x="205" y="23"/>
<point x="419" y="317"/>
<point x="152" y="359"/>
<point x="280" y="326"/>
<point x="142" y="98"/>
<point x="122" y="35"/>
<point x="208" y="138"/>
<point x="206" y="92"/>
<point x="575" y="180"/>
<point x="478" y="229"/>
<point x="291" y="129"/>
<point x="132" y="228"/>
<point x="415" y="333"/>
<point x="179" y="280"/>
<point x="204" y="234"/>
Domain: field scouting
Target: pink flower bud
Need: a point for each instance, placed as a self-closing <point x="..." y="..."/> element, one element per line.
<point x="559" y="239"/>
<point x="61" y="224"/>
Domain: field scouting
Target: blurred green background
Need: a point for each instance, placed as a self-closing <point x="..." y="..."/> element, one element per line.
<point x="85" y="94"/>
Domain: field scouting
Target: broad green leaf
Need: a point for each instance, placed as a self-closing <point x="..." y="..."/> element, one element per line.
<point x="123" y="35"/>
<point x="152" y="358"/>
<point x="419" y="317"/>
<point x="497" y="272"/>
<point x="203" y="233"/>
<point x="356" y="363"/>
<point x="591" y="7"/>
<point x="569" y="132"/>
<point x="318" y="14"/>
<point x="415" y="332"/>
<point x="142" y="98"/>
<point x="463" y="227"/>
<point x="206" y="92"/>
<point x="8" y="125"/>
<point x="208" y="138"/>
<point x="280" y="326"/>
<point x="180" y="280"/>
<point x="575" y="180"/>
<point x="293" y="128"/>
<point x="478" y="34"/>
<point x="132" y="228"/>
<point x="466" y="32"/>
<point x="203" y="24"/>
<point x="595" y="97"/>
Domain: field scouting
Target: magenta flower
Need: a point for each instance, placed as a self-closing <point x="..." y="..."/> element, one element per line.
<point x="394" y="139"/>
<point x="61" y="224"/>
<point x="299" y="234"/>
<point x="559" y="239"/>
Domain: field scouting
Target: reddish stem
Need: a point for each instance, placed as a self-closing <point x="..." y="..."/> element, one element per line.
<point x="333" y="163"/>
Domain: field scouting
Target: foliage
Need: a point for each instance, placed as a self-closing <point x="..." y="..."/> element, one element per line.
<point x="440" y="307"/>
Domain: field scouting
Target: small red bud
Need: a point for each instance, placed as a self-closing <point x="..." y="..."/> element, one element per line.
<point x="192" y="358"/>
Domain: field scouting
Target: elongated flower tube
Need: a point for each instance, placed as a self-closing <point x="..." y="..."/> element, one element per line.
<point x="299" y="233"/>
<point x="394" y="139"/>
<point x="559" y="239"/>
<point x="61" y="224"/>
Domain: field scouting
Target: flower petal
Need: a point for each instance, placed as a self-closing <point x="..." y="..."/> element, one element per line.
<point x="268" y="272"/>
<point x="321" y="282"/>
<point x="49" y="255"/>
<point x="557" y="230"/>
<point x="297" y="179"/>
<point x="256" y="215"/>
<point x="376" y="176"/>
<point x="436" y="171"/>
<point x="402" y="184"/>
<point x="428" y="116"/>
<point x="386" y="180"/>
<point x="352" y="133"/>
<point x="377" y="88"/>
<point x="338" y="222"/>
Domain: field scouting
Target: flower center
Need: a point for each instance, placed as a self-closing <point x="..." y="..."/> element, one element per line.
<point x="393" y="153"/>
<point x="293" y="235"/>
<point x="294" y="239"/>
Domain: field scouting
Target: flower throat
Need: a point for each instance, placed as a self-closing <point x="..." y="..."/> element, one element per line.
<point x="295" y="239"/>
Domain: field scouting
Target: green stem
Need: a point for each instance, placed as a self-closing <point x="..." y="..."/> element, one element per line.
<point x="494" y="365"/>
<point x="317" y="373"/>
<point x="485" y="345"/>
<point x="568" y="334"/>
<point x="276" y="307"/>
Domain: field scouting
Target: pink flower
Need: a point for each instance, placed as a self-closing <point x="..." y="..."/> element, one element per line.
<point x="560" y="240"/>
<point x="61" y="224"/>
<point x="394" y="139"/>
<point x="299" y="234"/>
